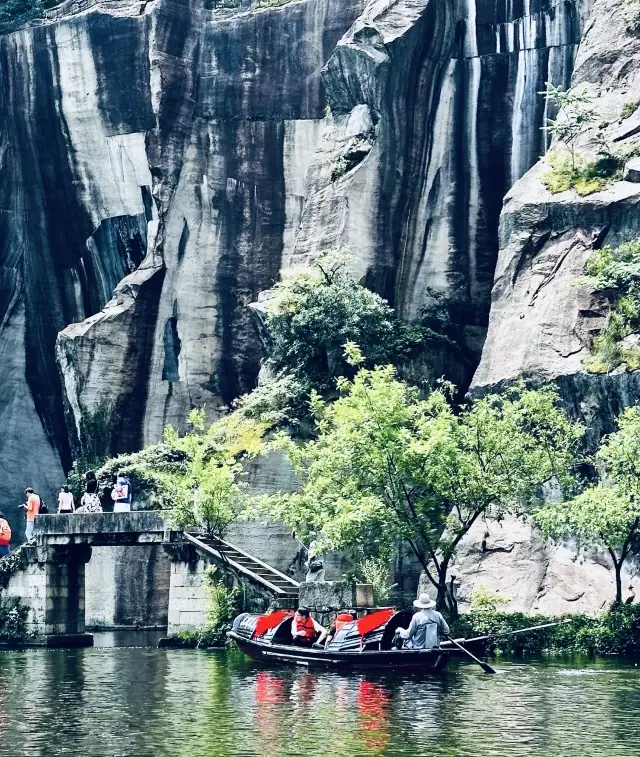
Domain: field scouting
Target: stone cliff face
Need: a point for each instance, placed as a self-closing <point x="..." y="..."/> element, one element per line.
<point x="163" y="162"/>
<point x="540" y="320"/>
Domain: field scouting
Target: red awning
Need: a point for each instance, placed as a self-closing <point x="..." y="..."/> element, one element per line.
<point x="267" y="622"/>
<point x="374" y="620"/>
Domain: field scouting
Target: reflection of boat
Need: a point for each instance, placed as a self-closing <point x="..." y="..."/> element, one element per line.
<point x="366" y="643"/>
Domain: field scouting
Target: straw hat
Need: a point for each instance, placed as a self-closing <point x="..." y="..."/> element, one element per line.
<point x="424" y="602"/>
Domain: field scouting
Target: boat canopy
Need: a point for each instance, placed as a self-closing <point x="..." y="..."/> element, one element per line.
<point x="372" y="631"/>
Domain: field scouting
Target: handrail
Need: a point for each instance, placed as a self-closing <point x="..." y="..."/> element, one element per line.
<point x="270" y="568"/>
<point x="220" y="555"/>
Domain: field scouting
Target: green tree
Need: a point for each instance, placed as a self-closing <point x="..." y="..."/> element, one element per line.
<point x="388" y="465"/>
<point x="575" y="114"/>
<point x="207" y="488"/>
<point x="606" y="514"/>
<point x="313" y="314"/>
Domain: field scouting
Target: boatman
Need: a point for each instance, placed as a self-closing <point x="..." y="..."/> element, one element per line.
<point x="305" y="630"/>
<point x="426" y="627"/>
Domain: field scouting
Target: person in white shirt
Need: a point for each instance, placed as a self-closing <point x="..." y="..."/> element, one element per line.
<point x="426" y="627"/>
<point x="65" y="501"/>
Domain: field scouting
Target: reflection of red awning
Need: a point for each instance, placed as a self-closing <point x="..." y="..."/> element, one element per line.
<point x="267" y="622"/>
<point x="374" y="620"/>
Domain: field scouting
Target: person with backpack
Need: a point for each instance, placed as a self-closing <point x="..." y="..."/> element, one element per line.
<point x="32" y="506"/>
<point x="121" y="494"/>
<point x="5" y="536"/>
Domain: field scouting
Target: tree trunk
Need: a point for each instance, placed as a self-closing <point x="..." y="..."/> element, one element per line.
<point x="445" y="601"/>
<point x="618" y="569"/>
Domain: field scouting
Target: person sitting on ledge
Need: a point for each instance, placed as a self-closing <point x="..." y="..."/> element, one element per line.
<point x="426" y="627"/>
<point x="305" y="630"/>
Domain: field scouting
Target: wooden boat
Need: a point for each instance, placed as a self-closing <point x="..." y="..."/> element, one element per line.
<point x="364" y="644"/>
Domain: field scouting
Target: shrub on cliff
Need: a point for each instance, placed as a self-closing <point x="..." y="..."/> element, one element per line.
<point x="615" y="272"/>
<point x="314" y="314"/>
<point x="17" y="13"/>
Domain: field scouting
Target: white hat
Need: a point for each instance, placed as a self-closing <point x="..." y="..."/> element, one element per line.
<point x="424" y="602"/>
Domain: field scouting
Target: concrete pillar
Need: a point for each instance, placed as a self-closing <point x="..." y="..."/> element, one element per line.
<point x="51" y="584"/>
<point x="188" y="594"/>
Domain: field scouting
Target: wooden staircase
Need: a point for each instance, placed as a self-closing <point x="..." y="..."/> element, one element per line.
<point x="253" y="569"/>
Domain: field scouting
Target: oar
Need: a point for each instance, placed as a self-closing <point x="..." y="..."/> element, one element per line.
<point x="484" y="665"/>
<point x="519" y="630"/>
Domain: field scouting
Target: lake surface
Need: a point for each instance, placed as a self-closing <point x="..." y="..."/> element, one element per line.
<point x="145" y="702"/>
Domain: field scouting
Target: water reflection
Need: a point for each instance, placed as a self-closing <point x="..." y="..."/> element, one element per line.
<point x="138" y="702"/>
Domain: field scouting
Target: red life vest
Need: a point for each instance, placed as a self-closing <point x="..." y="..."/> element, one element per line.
<point x="306" y="625"/>
<point x="342" y="618"/>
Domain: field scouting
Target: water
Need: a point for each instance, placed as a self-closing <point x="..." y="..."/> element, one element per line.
<point x="144" y="702"/>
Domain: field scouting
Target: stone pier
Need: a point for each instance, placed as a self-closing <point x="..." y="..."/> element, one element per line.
<point x="51" y="584"/>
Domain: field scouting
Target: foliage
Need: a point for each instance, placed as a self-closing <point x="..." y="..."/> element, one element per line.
<point x="616" y="273"/>
<point x="574" y="172"/>
<point x="607" y="513"/>
<point x="483" y="600"/>
<point x="13" y="620"/>
<point x="224" y="606"/>
<point x="280" y="401"/>
<point x="631" y="16"/>
<point x="15" y="14"/>
<point x="339" y="168"/>
<point x="314" y="314"/>
<point x="9" y="565"/>
<point x="388" y="466"/>
<point x="575" y="114"/>
<point x="629" y="108"/>
<point x="615" y="631"/>
<point x="207" y="490"/>
<point x="375" y="571"/>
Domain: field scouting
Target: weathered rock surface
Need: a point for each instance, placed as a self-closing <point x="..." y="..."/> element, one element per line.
<point x="510" y="559"/>
<point x="541" y="321"/>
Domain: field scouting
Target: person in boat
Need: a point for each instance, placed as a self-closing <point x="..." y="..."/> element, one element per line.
<point x="305" y="631"/>
<point x="342" y="618"/>
<point x="427" y="626"/>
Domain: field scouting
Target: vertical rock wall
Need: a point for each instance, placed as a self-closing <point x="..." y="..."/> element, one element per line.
<point x="162" y="163"/>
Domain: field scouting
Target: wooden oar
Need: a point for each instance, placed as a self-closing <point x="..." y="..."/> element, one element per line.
<point x="484" y="665"/>
<point x="519" y="630"/>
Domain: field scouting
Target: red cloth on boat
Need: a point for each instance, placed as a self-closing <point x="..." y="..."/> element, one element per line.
<point x="267" y="622"/>
<point x="374" y="620"/>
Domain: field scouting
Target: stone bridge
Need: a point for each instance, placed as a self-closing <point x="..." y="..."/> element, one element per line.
<point x="51" y="580"/>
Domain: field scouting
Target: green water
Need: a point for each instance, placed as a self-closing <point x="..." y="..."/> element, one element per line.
<point x="144" y="702"/>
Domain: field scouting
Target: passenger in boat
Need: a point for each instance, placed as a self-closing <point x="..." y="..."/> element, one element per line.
<point x="342" y="618"/>
<point x="305" y="630"/>
<point x="426" y="627"/>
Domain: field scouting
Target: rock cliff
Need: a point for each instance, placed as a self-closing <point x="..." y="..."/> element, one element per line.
<point x="541" y="321"/>
<point x="164" y="161"/>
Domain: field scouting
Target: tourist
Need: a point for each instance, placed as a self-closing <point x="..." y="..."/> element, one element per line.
<point x="426" y="627"/>
<point x="90" y="503"/>
<point x="121" y="494"/>
<point x="305" y="630"/>
<point x="32" y="506"/>
<point x="65" y="501"/>
<point x="5" y="536"/>
<point x="91" y="482"/>
<point x="342" y="618"/>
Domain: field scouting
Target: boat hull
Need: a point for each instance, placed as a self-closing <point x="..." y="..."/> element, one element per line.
<point x="406" y="659"/>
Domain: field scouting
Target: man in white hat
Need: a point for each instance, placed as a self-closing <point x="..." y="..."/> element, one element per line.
<point x="426" y="627"/>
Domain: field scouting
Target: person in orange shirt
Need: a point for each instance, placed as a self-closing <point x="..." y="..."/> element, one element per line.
<point x="32" y="507"/>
